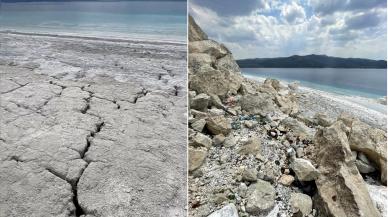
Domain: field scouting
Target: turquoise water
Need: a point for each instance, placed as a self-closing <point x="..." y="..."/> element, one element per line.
<point x="371" y="83"/>
<point x="147" y="20"/>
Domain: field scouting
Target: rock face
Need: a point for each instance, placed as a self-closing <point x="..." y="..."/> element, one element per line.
<point x="74" y="143"/>
<point x="261" y="104"/>
<point x="195" y="32"/>
<point x="212" y="69"/>
<point x="341" y="188"/>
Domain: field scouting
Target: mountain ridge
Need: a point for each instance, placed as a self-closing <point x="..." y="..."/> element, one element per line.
<point x="311" y="61"/>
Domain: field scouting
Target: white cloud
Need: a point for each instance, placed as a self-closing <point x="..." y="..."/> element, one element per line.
<point x="293" y="13"/>
<point x="286" y="30"/>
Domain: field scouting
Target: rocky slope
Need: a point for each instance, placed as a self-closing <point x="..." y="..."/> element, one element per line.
<point x="75" y="141"/>
<point x="253" y="153"/>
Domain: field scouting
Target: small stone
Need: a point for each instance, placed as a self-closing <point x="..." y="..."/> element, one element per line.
<point x="363" y="167"/>
<point x="196" y="158"/>
<point x="218" y="139"/>
<point x="227" y="211"/>
<point x="354" y="155"/>
<point x="224" y="158"/>
<point x="216" y="112"/>
<point x="202" y="140"/>
<point x="286" y="180"/>
<point x="252" y="146"/>
<point x="363" y="158"/>
<point x="273" y="124"/>
<point x="200" y="102"/>
<point x="299" y="152"/>
<point x="250" y="124"/>
<point x="242" y="189"/>
<point x="218" y="125"/>
<point x="230" y="141"/>
<point x="304" y="170"/>
<point x="233" y="112"/>
<point x="301" y="203"/>
<point x="219" y="198"/>
<point x="216" y="101"/>
<point x="249" y="175"/>
<point x="198" y="125"/>
<point x="260" y="157"/>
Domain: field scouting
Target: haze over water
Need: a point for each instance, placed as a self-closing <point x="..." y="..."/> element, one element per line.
<point x="148" y="20"/>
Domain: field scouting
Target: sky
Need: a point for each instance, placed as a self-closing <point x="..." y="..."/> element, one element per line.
<point x="278" y="28"/>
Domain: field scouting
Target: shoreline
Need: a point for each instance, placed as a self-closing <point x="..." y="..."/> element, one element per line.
<point x="94" y="38"/>
<point x="341" y="91"/>
<point x="333" y="104"/>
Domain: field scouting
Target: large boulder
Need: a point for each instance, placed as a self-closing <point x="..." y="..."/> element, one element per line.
<point x="261" y="104"/>
<point x="210" y="47"/>
<point x="301" y="204"/>
<point x="212" y="69"/>
<point x="372" y="142"/>
<point x="298" y="128"/>
<point x="218" y="125"/>
<point x="261" y="198"/>
<point x="342" y="190"/>
<point x="287" y="104"/>
<point x="212" y="81"/>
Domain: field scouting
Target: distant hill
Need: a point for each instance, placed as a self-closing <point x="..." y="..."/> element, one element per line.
<point x="311" y="61"/>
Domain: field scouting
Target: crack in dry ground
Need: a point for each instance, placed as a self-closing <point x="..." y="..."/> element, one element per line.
<point x="111" y="144"/>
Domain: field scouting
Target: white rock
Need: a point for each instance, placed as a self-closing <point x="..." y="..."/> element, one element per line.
<point x="227" y="211"/>
<point x="378" y="195"/>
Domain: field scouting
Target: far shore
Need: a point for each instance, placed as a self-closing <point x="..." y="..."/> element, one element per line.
<point x="95" y="38"/>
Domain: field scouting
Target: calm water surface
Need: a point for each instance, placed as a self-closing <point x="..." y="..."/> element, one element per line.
<point x="153" y="20"/>
<point x="360" y="82"/>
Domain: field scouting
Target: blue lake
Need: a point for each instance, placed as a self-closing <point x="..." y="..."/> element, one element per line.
<point x="356" y="82"/>
<point x="142" y="20"/>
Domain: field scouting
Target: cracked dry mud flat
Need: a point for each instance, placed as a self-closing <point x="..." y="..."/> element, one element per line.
<point x="91" y="128"/>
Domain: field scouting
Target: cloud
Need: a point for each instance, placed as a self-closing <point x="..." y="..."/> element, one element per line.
<point x="288" y="27"/>
<point x="232" y="7"/>
<point x="324" y="7"/>
<point x="363" y="20"/>
<point x="293" y="13"/>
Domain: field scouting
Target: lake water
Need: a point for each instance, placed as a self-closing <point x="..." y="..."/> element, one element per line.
<point x="370" y="83"/>
<point x="149" y="20"/>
